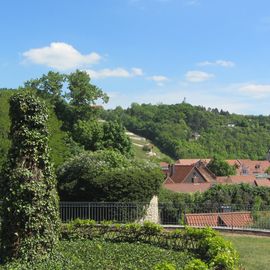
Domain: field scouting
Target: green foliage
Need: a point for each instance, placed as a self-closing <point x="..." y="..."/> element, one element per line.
<point x="95" y="135"/>
<point x="83" y="94"/>
<point x="220" y="167"/>
<point x="48" y="86"/>
<point x="104" y="255"/>
<point x="108" y="176"/>
<point x="196" y="264"/>
<point x="204" y="244"/>
<point x="173" y="127"/>
<point x="89" y="134"/>
<point x="164" y="266"/>
<point x="115" y="138"/>
<point x="5" y="124"/>
<point x="30" y="218"/>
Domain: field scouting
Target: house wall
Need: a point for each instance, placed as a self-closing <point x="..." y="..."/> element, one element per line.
<point x="194" y="177"/>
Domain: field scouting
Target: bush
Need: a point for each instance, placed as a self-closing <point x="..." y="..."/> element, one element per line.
<point x="196" y="264"/>
<point x="164" y="266"/>
<point x="209" y="249"/>
<point x="108" y="176"/>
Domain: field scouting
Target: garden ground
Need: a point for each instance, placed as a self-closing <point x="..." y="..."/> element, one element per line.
<point x="254" y="250"/>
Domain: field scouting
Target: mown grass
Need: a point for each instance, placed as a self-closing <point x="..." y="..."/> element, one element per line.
<point x="139" y="153"/>
<point x="254" y="251"/>
<point x="105" y="255"/>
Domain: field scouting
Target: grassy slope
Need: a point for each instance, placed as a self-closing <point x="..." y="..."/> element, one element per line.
<point x="254" y="251"/>
<point x="137" y="146"/>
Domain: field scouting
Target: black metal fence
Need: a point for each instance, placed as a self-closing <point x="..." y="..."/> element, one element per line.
<point x="102" y="211"/>
<point x="230" y="216"/>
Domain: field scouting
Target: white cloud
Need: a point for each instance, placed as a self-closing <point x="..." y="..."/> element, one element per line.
<point x="256" y="90"/>
<point x="198" y="76"/>
<point x="137" y="71"/>
<point x="117" y="73"/>
<point x="61" y="56"/>
<point x="159" y="79"/>
<point x="221" y="63"/>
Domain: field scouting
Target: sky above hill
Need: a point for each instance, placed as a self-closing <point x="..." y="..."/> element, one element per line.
<point x="214" y="53"/>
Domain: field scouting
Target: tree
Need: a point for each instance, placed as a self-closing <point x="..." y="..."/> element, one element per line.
<point x="220" y="167"/>
<point x="49" y="85"/>
<point x="83" y="94"/>
<point x="30" y="218"/>
<point x="89" y="134"/>
<point x="115" y="138"/>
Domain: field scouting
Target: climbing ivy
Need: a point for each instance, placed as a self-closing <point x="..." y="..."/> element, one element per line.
<point x="30" y="219"/>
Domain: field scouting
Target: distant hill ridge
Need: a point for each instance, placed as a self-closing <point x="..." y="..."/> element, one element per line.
<point x="186" y="131"/>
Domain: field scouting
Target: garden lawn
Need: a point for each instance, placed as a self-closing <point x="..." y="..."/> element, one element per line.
<point x="254" y="250"/>
<point x="99" y="255"/>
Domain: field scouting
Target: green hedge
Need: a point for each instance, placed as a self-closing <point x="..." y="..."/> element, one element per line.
<point x="209" y="249"/>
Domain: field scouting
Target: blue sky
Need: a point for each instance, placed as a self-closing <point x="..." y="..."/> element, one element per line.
<point x="214" y="53"/>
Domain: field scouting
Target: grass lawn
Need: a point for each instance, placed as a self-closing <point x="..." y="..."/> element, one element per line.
<point x="254" y="250"/>
<point x="105" y="255"/>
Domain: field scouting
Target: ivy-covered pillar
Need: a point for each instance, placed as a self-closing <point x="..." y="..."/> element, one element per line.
<point x="30" y="219"/>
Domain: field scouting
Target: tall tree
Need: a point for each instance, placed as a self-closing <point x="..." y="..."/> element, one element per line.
<point x="49" y="85"/>
<point x="30" y="218"/>
<point x="83" y="94"/>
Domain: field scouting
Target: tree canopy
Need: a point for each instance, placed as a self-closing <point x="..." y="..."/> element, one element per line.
<point x="220" y="167"/>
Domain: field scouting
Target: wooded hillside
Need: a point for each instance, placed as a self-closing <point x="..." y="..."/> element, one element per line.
<point x="186" y="131"/>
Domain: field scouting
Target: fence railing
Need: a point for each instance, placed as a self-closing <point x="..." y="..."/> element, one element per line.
<point x="102" y="211"/>
<point x="230" y="216"/>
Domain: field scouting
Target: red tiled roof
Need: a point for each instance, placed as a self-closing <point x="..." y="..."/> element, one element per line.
<point x="238" y="179"/>
<point x="224" y="180"/>
<point x="164" y="164"/>
<point x="228" y="219"/>
<point x="236" y="219"/>
<point x="233" y="162"/>
<point x="180" y="172"/>
<point x="192" y="161"/>
<point x="207" y="174"/>
<point x="251" y="166"/>
<point x="264" y="182"/>
<point x="188" y="187"/>
<point x="209" y="219"/>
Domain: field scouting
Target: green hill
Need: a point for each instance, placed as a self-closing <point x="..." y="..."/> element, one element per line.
<point x="186" y="131"/>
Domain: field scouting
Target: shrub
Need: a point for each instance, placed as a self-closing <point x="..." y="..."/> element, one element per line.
<point x="209" y="249"/>
<point x="164" y="266"/>
<point x="108" y="176"/>
<point x="196" y="264"/>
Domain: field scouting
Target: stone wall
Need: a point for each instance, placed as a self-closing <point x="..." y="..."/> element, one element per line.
<point x="152" y="213"/>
